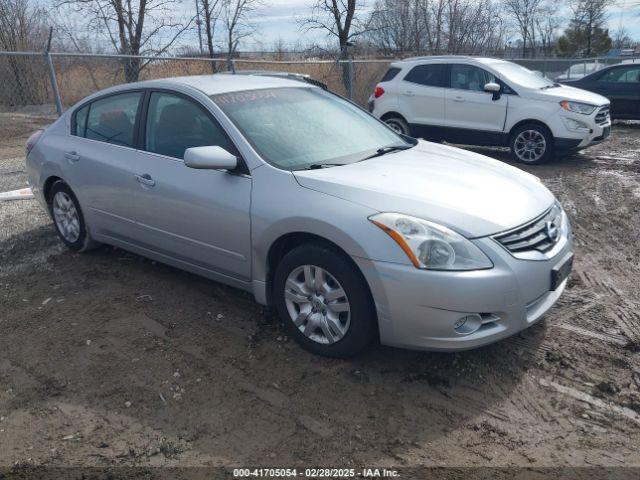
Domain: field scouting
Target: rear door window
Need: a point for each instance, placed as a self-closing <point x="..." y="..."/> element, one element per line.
<point x="432" y="75"/>
<point x="112" y="119"/>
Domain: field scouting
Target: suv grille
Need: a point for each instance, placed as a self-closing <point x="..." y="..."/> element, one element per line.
<point x="540" y="234"/>
<point x="602" y="117"/>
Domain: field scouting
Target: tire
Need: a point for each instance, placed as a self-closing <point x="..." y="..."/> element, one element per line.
<point x="531" y="144"/>
<point x="398" y="125"/>
<point x="68" y="218"/>
<point x="328" y="323"/>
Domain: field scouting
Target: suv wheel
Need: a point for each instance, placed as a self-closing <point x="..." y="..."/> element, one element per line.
<point x="68" y="219"/>
<point x="398" y="125"/>
<point x="323" y="302"/>
<point x="531" y="143"/>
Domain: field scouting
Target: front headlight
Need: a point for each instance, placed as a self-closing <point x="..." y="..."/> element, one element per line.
<point x="431" y="246"/>
<point x="578" y="107"/>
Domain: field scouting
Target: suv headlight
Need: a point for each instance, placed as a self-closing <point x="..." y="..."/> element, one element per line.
<point x="431" y="246"/>
<point x="578" y="107"/>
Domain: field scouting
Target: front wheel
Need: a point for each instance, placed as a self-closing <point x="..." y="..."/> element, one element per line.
<point x="532" y="144"/>
<point x="324" y="302"/>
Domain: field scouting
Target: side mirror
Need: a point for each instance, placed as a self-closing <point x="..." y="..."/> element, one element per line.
<point x="493" y="88"/>
<point x="210" y="158"/>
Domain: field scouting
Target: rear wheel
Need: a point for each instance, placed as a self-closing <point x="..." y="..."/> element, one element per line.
<point x="68" y="218"/>
<point x="323" y="301"/>
<point x="532" y="144"/>
<point x="398" y="125"/>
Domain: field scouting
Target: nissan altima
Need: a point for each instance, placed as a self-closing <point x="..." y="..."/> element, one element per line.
<point x="353" y="232"/>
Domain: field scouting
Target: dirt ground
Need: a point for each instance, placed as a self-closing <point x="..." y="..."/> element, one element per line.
<point x="108" y="359"/>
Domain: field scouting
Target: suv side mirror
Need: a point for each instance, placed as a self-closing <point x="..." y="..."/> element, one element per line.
<point x="210" y="158"/>
<point x="493" y="88"/>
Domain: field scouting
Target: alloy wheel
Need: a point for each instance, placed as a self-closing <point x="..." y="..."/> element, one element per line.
<point x="530" y="145"/>
<point x="396" y="127"/>
<point x="317" y="304"/>
<point x="66" y="217"/>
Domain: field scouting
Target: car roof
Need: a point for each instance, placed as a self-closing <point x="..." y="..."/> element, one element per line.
<point x="211" y="84"/>
<point x="224" y="83"/>
<point x="448" y="59"/>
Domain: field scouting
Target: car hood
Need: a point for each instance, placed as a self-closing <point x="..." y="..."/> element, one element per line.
<point x="566" y="92"/>
<point x="469" y="193"/>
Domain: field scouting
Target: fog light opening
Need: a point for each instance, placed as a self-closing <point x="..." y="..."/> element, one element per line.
<point x="468" y="324"/>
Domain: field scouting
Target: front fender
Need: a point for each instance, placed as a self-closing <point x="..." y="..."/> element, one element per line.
<point x="281" y="206"/>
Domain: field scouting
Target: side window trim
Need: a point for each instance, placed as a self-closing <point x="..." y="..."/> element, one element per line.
<point x="141" y="130"/>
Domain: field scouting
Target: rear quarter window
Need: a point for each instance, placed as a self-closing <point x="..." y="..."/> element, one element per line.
<point x="80" y="123"/>
<point x="391" y="74"/>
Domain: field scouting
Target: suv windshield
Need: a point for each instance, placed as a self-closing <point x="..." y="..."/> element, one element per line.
<point x="521" y="76"/>
<point x="298" y="127"/>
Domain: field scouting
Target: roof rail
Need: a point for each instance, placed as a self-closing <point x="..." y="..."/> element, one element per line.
<point x="428" y="57"/>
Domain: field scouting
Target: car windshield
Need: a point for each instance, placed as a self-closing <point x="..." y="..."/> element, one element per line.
<point x="521" y="76"/>
<point x="299" y="127"/>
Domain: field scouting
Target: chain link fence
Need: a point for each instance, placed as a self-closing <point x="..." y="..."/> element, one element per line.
<point x="34" y="87"/>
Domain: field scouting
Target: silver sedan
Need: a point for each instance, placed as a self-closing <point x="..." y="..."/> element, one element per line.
<point x="352" y="232"/>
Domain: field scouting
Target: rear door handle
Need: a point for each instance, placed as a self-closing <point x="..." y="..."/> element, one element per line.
<point x="73" y="156"/>
<point x="409" y="93"/>
<point x="458" y="99"/>
<point x="145" y="179"/>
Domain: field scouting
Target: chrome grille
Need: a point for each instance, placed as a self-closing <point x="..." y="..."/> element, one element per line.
<point x="602" y="117"/>
<point x="535" y="235"/>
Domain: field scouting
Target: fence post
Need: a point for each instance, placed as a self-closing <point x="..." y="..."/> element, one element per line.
<point x="52" y="75"/>
<point x="231" y="65"/>
<point x="350" y="70"/>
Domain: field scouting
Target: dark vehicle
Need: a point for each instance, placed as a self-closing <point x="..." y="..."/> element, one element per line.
<point x="620" y="84"/>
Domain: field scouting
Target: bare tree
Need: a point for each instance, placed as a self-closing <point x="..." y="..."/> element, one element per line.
<point x="280" y="49"/>
<point x="211" y="11"/>
<point x="133" y="27"/>
<point x="524" y="13"/>
<point x="341" y="20"/>
<point x="237" y="22"/>
<point x="547" y="25"/>
<point x="436" y="26"/>
<point x="22" y="27"/>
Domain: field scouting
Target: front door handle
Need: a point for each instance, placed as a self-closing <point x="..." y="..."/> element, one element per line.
<point x="458" y="99"/>
<point x="73" y="156"/>
<point x="145" y="179"/>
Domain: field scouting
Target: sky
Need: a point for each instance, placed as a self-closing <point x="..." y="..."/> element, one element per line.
<point x="279" y="19"/>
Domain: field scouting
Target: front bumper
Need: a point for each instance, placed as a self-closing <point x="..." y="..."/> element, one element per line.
<point x="566" y="139"/>
<point x="418" y="309"/>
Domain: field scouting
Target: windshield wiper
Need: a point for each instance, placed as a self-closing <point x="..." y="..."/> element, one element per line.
<point x="389" y="149"/>
<point x="316" y="166"/>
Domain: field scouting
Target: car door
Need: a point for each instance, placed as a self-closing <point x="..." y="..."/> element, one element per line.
<point x="421" y="94"/>
<point x="198" y="217"/>
<point x="621" y="85"/>
<point x="99" y="161"/>
<point x="468" y="106"/>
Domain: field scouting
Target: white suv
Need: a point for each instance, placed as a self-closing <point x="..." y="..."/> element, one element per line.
<point x="485" y="101"/>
